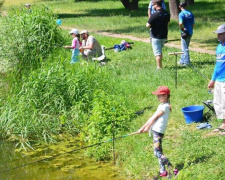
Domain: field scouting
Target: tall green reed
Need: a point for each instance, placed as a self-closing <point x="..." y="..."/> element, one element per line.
<point x="60" y="98"/>
<point x="29" y="37"/>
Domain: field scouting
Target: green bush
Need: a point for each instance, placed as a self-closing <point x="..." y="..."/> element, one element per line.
<point x="109" y="115"/>
<point x="58" y="98"/>
<point x="29" y="37"/>
<point x="42" y="102"/>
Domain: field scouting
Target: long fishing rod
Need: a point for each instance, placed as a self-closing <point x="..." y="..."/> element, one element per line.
<point x="68" y="152"/>
<point x="56" y="45"/>
<point x="199" y="72"/>
<point x="114" y="47"/>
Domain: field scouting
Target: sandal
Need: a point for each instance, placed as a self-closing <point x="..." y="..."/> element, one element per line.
<point x="218" y="129"/>
<point x="222" y="133"/>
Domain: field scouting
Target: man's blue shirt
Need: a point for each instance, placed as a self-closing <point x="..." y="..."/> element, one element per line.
<point x="219" y="70"/>
<point x="187" y="19"/>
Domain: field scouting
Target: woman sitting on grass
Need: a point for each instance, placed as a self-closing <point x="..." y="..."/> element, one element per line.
<point x="158" y="123"/>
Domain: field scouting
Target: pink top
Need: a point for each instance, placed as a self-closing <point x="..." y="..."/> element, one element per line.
<point x="75" y="43"/>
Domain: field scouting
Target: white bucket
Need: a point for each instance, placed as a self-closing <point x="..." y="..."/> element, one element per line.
<point x="116" y="50"/>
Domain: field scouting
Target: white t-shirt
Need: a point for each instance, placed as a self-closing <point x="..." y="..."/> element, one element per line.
<point x="92" y="40"/>
<point x="161" y="123"/>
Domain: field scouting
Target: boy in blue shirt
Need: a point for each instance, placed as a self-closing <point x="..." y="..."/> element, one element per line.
<point x="186" y="24"/>
<point x="218" y="79"/>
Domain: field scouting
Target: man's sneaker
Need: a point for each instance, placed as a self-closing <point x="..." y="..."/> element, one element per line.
<point x="163" y="174"/>
<point x="175" y="171"/>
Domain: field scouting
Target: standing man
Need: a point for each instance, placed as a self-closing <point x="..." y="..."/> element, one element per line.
<point x="218" y="79"/>
<point x="158" y="22"/>
<point x="90" y="46"/>
<point x="186" y="24"/>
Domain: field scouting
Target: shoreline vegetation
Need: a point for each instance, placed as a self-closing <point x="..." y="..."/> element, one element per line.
<point x="42" y="95"/>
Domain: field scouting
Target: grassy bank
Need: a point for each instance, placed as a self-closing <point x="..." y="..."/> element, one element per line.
<point x="129" y="77"/>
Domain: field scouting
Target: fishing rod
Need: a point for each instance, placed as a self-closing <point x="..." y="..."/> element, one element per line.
<point x="140" y="112"/>
<point x="56" y="45"/>
<point x="199" y="72"/>
<point x="68" y="152"/>
<point x="114" y="46"/>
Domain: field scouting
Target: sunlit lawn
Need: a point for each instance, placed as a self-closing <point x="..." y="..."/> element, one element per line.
<point x="111" y="16"/>
<point x="198" y="154"/>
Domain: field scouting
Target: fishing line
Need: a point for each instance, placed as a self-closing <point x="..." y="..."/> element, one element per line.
<point x="199" y="72"/>
<point x="68" y="152"/>
<point x="57" y="45"/>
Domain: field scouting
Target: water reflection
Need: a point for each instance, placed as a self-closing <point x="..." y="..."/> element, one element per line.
<point x="73" y="166"/>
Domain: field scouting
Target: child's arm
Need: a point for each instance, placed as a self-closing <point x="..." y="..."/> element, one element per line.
<point x="88" y="47"/>
<point x="146" y="127"/>
<point x="74" y="43"/>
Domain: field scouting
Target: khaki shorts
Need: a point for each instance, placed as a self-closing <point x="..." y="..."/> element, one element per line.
<point x="92" y="53"/>
<point x="219" y="99"/>
<point x="157" y="45"/>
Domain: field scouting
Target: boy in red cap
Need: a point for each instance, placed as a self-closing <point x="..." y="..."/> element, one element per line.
<point x="157" y="123"/>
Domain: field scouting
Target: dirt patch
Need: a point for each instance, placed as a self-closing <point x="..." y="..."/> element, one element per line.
<point x="195" y="48"/>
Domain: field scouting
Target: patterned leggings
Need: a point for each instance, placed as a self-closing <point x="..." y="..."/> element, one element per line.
<point x="158" y="152"/>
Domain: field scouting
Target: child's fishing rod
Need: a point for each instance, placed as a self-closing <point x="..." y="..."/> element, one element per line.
<point x="52" y="44"/>
<point x="68" y="152"/>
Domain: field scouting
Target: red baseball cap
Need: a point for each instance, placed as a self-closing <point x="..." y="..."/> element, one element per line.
<point x="161" y="90"/>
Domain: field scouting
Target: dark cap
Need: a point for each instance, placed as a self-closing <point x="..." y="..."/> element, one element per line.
<point x="156" y="1"/>
<point x="183" y="4"/>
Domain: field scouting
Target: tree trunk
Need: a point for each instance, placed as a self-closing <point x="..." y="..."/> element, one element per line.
<point x="126" y="3"/>
<point x="190" y="2"/>
<point x="133" y="5"/>
<point x="174" y="9"/>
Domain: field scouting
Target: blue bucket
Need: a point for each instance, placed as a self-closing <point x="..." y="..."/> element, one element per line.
<point x="193" y="113"/>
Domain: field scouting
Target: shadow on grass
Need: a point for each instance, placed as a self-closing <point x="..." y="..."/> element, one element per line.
<point x="212" y="41"/>
<point x="173" y="67"/>
<point x="196" y="161"/>
<point x="214" y="10"/>
<point x="200" y="65"/>
<point x="199" y="9"/>
<point x="142" y="11"/>
<point x="194" y="65"/>
<point x="140" y="28"/>
<point x="171" y="40"/>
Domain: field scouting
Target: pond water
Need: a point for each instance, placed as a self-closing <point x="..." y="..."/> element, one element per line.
<point x="74" y="166"/>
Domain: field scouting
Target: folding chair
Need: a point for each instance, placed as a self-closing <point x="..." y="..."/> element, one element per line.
<point x="211" y="110"/>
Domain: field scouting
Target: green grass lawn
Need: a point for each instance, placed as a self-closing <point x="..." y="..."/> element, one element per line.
<point x="198" y="154"/>
<point x="110" y="16"/>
